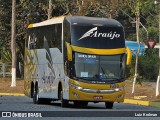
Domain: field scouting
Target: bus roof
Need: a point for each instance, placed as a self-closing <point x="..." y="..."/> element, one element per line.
<point x="97" y="21"/>
<point x="79" y="20"/>
<point x="48" y="22"/>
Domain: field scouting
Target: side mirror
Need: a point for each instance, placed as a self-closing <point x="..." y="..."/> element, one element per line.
<point x="129" y="56"/>
<point x="69" y="51"/>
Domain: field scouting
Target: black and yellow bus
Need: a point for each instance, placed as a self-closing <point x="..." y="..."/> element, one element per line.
<point x="77" y="59"/>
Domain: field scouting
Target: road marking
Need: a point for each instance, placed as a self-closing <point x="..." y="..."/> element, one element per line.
<point x="12" y="94"/>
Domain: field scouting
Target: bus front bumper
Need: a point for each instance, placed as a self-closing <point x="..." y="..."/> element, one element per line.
<point x="94" y="95"/>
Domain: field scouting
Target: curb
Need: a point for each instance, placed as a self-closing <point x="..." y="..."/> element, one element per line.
<point x="154" y="103"/>
<point x="143" y="103"/>
<point x="12" y="94"/>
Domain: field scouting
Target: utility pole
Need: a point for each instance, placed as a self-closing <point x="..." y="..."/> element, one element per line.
<point x="137" y="55"/>
<point x="13" y="43"/>
<point x="158" y="78"/>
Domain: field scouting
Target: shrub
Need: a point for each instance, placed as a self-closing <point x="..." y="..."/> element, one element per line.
<point x="148" y="66"/>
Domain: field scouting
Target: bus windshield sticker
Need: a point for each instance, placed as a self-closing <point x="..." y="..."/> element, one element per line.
<point x="84" y="74"/>
<point x="86" y="56"/>
<point x="90" y="61"/>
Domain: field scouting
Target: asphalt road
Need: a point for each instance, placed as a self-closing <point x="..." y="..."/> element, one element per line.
<point x="93" y="111"/>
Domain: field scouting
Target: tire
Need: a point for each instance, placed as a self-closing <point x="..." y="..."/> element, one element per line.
<point x="46" y="101"/>
<point x="109" y="105"/>
<point x="64" y="103"/>
<point x="80" y="103"/>
<point x="36" y="99"/>
<point x="32" y="90"/>
<point x="76" y="103"/>
<point x="85" y="104"/>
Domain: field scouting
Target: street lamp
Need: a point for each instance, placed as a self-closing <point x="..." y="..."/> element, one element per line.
<point x="158" y="79"/>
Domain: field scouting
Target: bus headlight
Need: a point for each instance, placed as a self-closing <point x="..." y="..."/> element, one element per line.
<point x="119" y="89"/>
<point x="75" y="86"/>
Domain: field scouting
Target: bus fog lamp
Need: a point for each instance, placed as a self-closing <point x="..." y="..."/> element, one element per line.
<point x="119" y="96"/>
<point x="76" y="95"/>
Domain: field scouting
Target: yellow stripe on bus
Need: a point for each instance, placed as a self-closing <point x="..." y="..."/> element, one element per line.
<point x="99" y="51"/>
<point x="30" y="26"/>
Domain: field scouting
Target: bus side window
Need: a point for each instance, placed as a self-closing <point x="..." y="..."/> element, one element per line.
<point x="32" y="41"/>
<point x="54" y="36"/>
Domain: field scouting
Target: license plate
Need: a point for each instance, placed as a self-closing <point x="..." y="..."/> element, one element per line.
<point x="98" y="97"/>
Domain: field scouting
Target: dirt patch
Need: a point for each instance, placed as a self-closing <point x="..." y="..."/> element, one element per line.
<point x="5" y="86"/>
<point x="146" y="91"/>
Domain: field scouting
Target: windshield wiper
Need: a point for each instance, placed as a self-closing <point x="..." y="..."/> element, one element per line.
<point x="86" y="78"/>
<point x="103" y="76"/>
<point x="111" y="79"/>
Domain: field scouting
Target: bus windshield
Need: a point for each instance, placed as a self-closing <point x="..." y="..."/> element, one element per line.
<point x="98" y="67"/>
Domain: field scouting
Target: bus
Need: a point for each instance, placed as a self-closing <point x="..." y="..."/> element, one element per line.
<point x="76" y="59"/>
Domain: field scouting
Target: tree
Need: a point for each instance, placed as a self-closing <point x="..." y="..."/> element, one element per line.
<point x="5" y="25"/>
<point x="135" y="8"/>
<point x="101" y="8"/>
<point x="148" y="15"/>
<point x="50" y="9"/>
<point x="149" y="65"/>
<point x="137" y="13"/>
<point x="13" y="43"/>
<point x="28" y="12"/>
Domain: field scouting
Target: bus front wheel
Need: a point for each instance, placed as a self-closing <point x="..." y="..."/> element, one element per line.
<point x="80" y="103"/>
<point x="64" y="103"/>
<point x="109" y="105"/>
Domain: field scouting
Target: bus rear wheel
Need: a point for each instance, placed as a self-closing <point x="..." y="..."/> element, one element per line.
<point x="109" y="105"/>
<point x="36" y="99"/>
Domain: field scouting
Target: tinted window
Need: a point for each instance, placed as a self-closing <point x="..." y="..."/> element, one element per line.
<point x="67" y="34"/>
<point x="97" y="37"/>
<point x="45" y="36"/>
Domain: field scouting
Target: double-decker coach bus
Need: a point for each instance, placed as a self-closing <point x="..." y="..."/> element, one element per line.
<point x="75" y="58"/>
